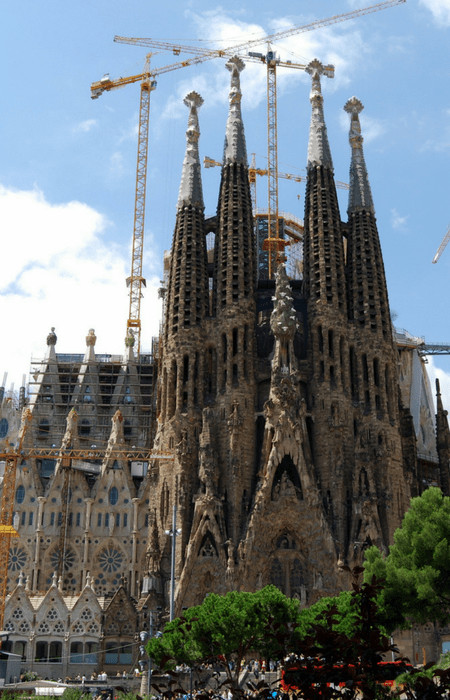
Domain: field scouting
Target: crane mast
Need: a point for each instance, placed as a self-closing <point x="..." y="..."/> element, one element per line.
<point x="136" y="281"/>
<point x="273" y="227"/>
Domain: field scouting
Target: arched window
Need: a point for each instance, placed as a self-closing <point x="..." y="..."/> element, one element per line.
<point x="20" y="494"/>
<point x="41" y="652"/>
<point x="113" y="495"/>
<point x="3" y="428"/>
<point x="20" y="648"/>
<point x="76" y="653"/>
<point x="55" y="652"/>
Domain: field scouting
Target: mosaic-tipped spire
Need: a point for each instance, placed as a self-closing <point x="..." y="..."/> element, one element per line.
<point x="235" y="150"/>
<point x="191" y="183"/>
<point x="318" y="147"/>
<point x="360" y="195"/>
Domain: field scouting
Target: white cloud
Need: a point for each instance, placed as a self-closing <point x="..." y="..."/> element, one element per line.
<point x="398" y="221"/>
<point x="59" y="269"/>
<point x="440" y="9"/>
<point x="85" y="126"/>
<point x="330" y="45"/>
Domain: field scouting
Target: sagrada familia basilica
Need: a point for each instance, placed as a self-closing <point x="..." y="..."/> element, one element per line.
<point x="289" y="423"/>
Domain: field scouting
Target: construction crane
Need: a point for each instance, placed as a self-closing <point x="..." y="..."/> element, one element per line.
<point x="253" y="171"/>
<point x="273" y="244"/>
<point x="441" y="248"/>
<point x="206" y="54"/>
<point x="6" y="511"/>
<point x="136" y="281"/>
<point x="68" y="459"/>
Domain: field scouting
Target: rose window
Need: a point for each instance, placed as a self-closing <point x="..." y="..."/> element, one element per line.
<point x="43" y="628"/>
<point x="110" y="559"/>
<point x="78" y="628"/>
<point x="24" y="627"/>
<point x="86" y="614"/>
<point x="93" y="628"/>
<point x="17" y="614"/>
<point x="17" y="558"/>
<point x="69" y="559"/>
<point x="59" y="628"/>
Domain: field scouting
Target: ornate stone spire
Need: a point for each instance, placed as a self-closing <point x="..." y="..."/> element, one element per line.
<point x="318" y="147"/>
<point x="283" y="323"/>
<point x="235" y="150"/>
<point x="360" y="195"/>
<point x="191" y="184"/>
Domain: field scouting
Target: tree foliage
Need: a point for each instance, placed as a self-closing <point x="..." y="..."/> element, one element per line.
<point x="229" y="628"/>
<point x="416" y="572"/>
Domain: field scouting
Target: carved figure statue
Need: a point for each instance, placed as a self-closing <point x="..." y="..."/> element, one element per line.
<point x="91" y="338"/>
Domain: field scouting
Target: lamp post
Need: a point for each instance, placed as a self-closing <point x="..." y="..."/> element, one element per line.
<point x="173" y="532"/>
<point x="146" y="684"/>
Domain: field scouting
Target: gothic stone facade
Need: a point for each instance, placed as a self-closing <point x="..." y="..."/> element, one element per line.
<point x="279" y="400"/>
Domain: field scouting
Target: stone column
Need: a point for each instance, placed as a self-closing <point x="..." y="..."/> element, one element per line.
<point x="87" y="523"/>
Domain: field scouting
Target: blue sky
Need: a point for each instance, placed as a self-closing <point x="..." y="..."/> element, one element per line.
<point x="67" y="163"/>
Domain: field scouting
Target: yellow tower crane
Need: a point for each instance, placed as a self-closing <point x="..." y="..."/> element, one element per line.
<point x="148" y="82"/>
<point x="441" y="248"/>
<point x="274" y="244"/>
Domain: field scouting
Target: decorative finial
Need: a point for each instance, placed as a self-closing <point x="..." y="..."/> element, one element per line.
<point x="191" y="192"/>
<point x="51" y="338"/>
<point x="318" y="147"/>
<point x="354" y="107"/>
<point x="54" y="580"/>
<point x="315" y="69"/>
<point x="20" y="581"/>
<point x="360" y="196"/>
<point x="235" y="150"/>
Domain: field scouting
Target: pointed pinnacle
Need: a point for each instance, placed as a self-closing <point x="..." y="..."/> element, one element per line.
<point x="235" y="150"/>
<point x="318" y="147"/>
<point x="191" y="185"/>
<point x="360" y="195"/>
<point x="439" y="404"/>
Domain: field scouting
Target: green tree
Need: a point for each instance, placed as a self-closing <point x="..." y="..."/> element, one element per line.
<point x="416" y="572"/>
<point x="343" y="620"/>
<point x="227" y="629"/>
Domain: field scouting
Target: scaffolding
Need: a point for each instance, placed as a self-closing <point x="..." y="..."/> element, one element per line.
<point x="291" y="232"/>
<point x="109" y="384"/>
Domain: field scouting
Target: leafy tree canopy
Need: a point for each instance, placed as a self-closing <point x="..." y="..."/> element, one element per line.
<point x="229" y="626"/>
<point x="416" y="571"/>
